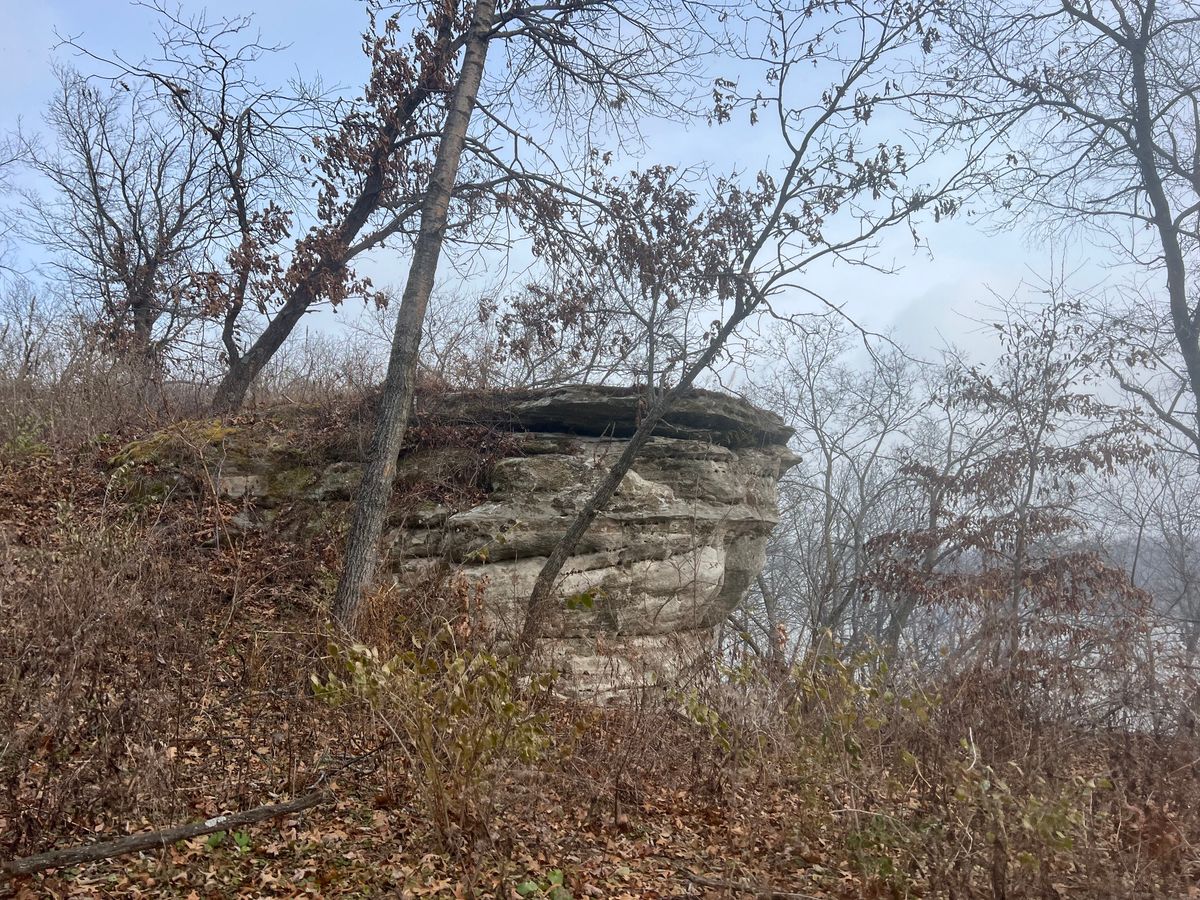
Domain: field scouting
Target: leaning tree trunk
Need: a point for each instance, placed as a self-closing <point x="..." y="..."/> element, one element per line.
<point x="1185" y="320"/>
<point x="338" y="248"/>
<point x="244" y="369"/>
<point x="370" y="510"/>
<point x="542" y="596"/>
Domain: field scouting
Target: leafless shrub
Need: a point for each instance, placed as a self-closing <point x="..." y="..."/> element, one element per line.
<point x="88" y="690"/>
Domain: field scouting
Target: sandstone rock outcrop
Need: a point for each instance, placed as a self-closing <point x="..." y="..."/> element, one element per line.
<point x="661" y="567"/>
<point x="659" y="570"/>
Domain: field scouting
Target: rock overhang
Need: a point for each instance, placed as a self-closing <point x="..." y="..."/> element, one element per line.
<point x="489" y="483"/>
<point x="613" y="411"/>
<point x="662" y="566"/>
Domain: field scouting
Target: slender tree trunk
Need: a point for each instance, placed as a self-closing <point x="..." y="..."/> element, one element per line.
<point x="908" y="602"/>
<point x="1183" y="319"/>
<point x="231" y="392"/>
<point x="370" y="510"/>
<point x="775" y="644"/>
<point x="1190" y="713"/>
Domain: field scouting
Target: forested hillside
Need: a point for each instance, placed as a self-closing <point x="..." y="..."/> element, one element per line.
<point x="548" y="466"/>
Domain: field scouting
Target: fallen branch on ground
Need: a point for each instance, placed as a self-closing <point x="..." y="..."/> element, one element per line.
<point x="152" y="840"/>
<point x="742" y="888"/>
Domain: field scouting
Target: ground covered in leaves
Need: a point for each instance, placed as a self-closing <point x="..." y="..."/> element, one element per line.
<point x="157" y="667"/>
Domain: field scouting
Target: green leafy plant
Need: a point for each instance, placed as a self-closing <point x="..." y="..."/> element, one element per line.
<point x="550" y="887"/>
<point x="581" y="601"/>
<point x="24" y="443"/>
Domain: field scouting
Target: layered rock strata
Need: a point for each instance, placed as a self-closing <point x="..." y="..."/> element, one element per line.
<point x="659" y="570"/>
<point x="664" y="565"/>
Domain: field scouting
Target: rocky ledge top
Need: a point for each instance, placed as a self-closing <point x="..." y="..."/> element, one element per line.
<point x="602" y="410"/>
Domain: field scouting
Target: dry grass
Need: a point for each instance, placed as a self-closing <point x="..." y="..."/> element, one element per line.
<point x="133" y="647"/>
<point x="153" y="673"/>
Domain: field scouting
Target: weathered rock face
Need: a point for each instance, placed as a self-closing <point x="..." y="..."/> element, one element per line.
<point x="673" y="554"/>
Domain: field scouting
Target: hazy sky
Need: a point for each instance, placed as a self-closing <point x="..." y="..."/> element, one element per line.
<point x="930" y="300"/>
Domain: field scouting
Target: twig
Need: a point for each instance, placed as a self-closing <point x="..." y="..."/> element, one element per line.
<point x="743" y="888"/>
<point x="151" y="840"/>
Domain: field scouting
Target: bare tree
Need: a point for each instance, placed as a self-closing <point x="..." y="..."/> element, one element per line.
<point x="10" y="157"/>
<point x="370" y="508"/>
<point x="949" y="439"/>
<point x="275" y="248"/>
<point x="130" y="214"/>
<point x="27" y="340"/>
<point x="839" y="188"/>
<point x="625" y="288"/>
<point x="253" y="140"/>
<point x="369" y="171"/>
<point x="374" y="168"/>
<point x="1144" y="519"/>
<point x="1098" y="104"/>
<point x="852" y="424"/>
<point x="1005" y="526"/>
<point x="174" y="180"/>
